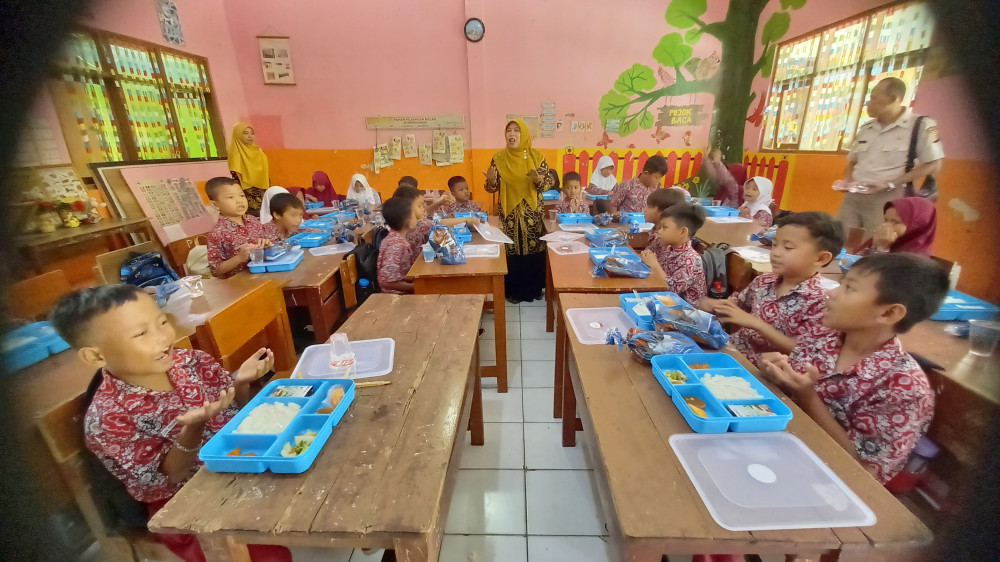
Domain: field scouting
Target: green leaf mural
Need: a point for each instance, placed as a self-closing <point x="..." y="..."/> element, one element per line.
<point x="672" y="51"/>
<point x="728" y="73"/>
<point x="635" y="80"/>
<point x="682" y="14"/>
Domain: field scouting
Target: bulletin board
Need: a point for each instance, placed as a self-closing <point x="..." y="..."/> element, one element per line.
<point x="171" y="195"/>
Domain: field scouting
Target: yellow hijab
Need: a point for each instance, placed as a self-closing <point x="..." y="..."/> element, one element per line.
<point x="247" y="160"/>
<point x="513" y="165"/>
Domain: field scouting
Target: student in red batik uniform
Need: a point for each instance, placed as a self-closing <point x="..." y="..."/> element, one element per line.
<point x="235" y="233"/>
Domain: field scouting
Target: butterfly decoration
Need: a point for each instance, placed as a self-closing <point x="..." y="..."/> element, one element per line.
<point x="605" y="140"/>
<point x="757" y="117"/>
<point x="659" y="135"/>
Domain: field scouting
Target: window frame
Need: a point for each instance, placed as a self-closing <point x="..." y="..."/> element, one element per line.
<point x="863" y="71"/>
<point x="109" y="78"/>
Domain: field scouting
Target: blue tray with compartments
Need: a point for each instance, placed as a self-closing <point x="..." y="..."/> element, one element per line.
<point x="719" y="413"/>
<point x="595" y="197"/>
<point x="717" y="211"/>
<point x="959" y="306"/>
<point x="574" y="218"/>
<point x="339" y="216"/>
<point x="30" y="344"/>
<point x="481" y="215"/>
<point x="314" y="205"/>
<point x="462" y="235"/>
<point x="598" y="254"/>
<point x="262" y="451"/>
<point x="644" y="320"/>
<point x="629" y="218"/>
<point x="287" y="262"/>
<point x="319" y="224"/>
<point x="550" y="195"/>
<point x="309" y="239"/>
<point x="593" y="234"/>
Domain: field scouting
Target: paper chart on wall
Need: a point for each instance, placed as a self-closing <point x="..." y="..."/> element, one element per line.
<point x="424" y="151"/>
<point x="395" y="148"/>
<point x="438" y="142"/>
<point x="442" y="163"/>
<point x="61" y="183"/>
<point x="409" y="146"/>
<point x="383" y="155"/>
<point x="456" y="149"/>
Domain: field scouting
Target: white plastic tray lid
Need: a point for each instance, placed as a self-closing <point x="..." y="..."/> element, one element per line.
<point x="373" y="358"/>
<point x="591" y="325"/>
<point x="578" y="227"/>
<point x="567" y="248"/>
<point x="482" y="250"/>
<point x="767" y="481"/>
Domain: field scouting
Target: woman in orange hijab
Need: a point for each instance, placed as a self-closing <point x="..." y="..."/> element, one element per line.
<point x="520" y="175"/>
<point x="248" y="164"/>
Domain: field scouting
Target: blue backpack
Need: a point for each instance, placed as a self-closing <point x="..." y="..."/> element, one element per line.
<point x="147" y="270"/>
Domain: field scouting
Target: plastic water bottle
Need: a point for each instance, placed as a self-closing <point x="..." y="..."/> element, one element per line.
<point x="364" y="290"/>
<point x="341" y="356"/>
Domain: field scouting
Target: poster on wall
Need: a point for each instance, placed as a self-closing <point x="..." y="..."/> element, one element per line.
<point x="424" y="151"/>
<point x="409" y="146"/>
<point x="170" y="22"/>
<point x="456" y="149"/>
<point x="680" y="115"/>
<point x="395" y="148"/>
<point x="439" y="142"/>
<point x="276" y="59"/>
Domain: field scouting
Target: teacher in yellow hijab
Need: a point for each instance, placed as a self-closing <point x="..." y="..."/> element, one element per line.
<point x="248" y="164"/>
<point x="519" y="174"/>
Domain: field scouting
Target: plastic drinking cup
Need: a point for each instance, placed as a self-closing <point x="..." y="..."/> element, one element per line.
<point x="983" y="337"/>
<point x="716" y="203"/>
<point x="552" y="214"/>
<point x="257" y="255"/>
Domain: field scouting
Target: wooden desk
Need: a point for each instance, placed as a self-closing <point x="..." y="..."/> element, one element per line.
<point x="385" y="477"/>
<point x="478" y="276"/>
<point x="650" y="503"/>
<point x="33" y="246"/>
<point x="574" y="274"/>
<point x="734" y="234"/>
<point x="315" y="285"/>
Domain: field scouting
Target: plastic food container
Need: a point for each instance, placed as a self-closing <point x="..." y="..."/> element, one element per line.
<point x="287" y="262"/>
<point x="718" y="211"/>
<point x="550" y="195"/>
<point x="628" y="218"/>
<point x="372" y="358"/>
<point x="324" y="224"/>
<point x="308" y="239"/>
<point x="260" y="452"/>
<point x="594" y="197"/>
<point x="30" y="344"/>
<point x="719" y="414"/>
<point x="959" y="306"/>
<point x="574" y="218"/>
<point x="598" y="254"/>
<point x="640" y="314"/>
<point x="462" y="235"/>
<point x="591" y="325"/>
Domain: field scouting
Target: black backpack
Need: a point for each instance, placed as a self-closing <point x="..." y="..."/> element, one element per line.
<point x="147" y="270"/>
<point x="366" y="255"/>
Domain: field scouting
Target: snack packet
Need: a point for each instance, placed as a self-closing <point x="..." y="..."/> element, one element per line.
<point x="613" y="266"/>
<point x="602" y="219"/>
<point x="644" y="344"/>
<point x="442" y="240"/>
<point x="613" y="237"/>
<point x="684" y="318"/>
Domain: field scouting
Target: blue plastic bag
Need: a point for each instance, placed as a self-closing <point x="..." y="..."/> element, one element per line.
<point x="603" y="219"/>
<point x="766" y="238"/>
<point x="684" y="318"/>
<point x="442" y="240"/>
<point x="613" y="237"/>
<point x="613" y="266"/>
<point x="645" y="345"/>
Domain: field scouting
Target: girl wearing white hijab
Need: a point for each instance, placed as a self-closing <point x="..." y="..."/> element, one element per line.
<point x="360" y="191"/>
<point x="757" y="196"/>
<point x="265" y="205"/>
<point x="602" y="181"/>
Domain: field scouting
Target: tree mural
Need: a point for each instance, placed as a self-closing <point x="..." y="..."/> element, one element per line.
<point x="729" y="74"/>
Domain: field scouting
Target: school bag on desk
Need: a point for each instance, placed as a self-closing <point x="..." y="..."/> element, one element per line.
<point x="147" y="270"/>
<point x="366" y="256"/>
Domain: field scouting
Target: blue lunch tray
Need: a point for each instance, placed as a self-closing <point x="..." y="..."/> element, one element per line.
<point x="481" y="215"/>
<point x="267" y="447"/>
<point x="309" y="239"/>
<point x="721" y="211"/>
<point x="594" y="197"/>
<point x="462" y="235"/>
<point x="339" y="216"/>
<point x="574" y="218"/>
<point x="593" y="234"/>
<point x="286" y="262"/>
<point x="319" y="224"/>
<point x="550" y="195"/>
<point x="30" y="344"/>
<point x="314" y="205"/>
<point x="719" y="419"/>
<point x="959" y="306"/>
<point x="643" y="321"/>
<point x="629" y="218"/>
<point x="598" y="254"/>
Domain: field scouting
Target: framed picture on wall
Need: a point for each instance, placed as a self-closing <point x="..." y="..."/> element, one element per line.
<point x="276" y="59"/>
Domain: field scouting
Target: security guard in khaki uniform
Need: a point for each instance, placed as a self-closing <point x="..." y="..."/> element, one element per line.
<point x="878" y="157"/>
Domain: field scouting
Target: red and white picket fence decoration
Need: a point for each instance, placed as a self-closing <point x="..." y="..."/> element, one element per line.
<point x="681" y="164"/>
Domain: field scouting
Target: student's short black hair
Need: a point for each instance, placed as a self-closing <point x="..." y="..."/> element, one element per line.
<point x="916" y="282"/>
<point x="655" y="164"/>
<point x="71" y="316"/>
<point x="213" y="185"/>
<point x="284" y="201"/>
<point x="455" y="180"/>
<point x="408" y="180"/>
<point x="826" y="231"/>
<point x="571" y="176"/>
<point x="686" y="214"/>
<point x="396" y="211"/>
<point x="407" y="191"/>
<point x="664" y="198"/>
